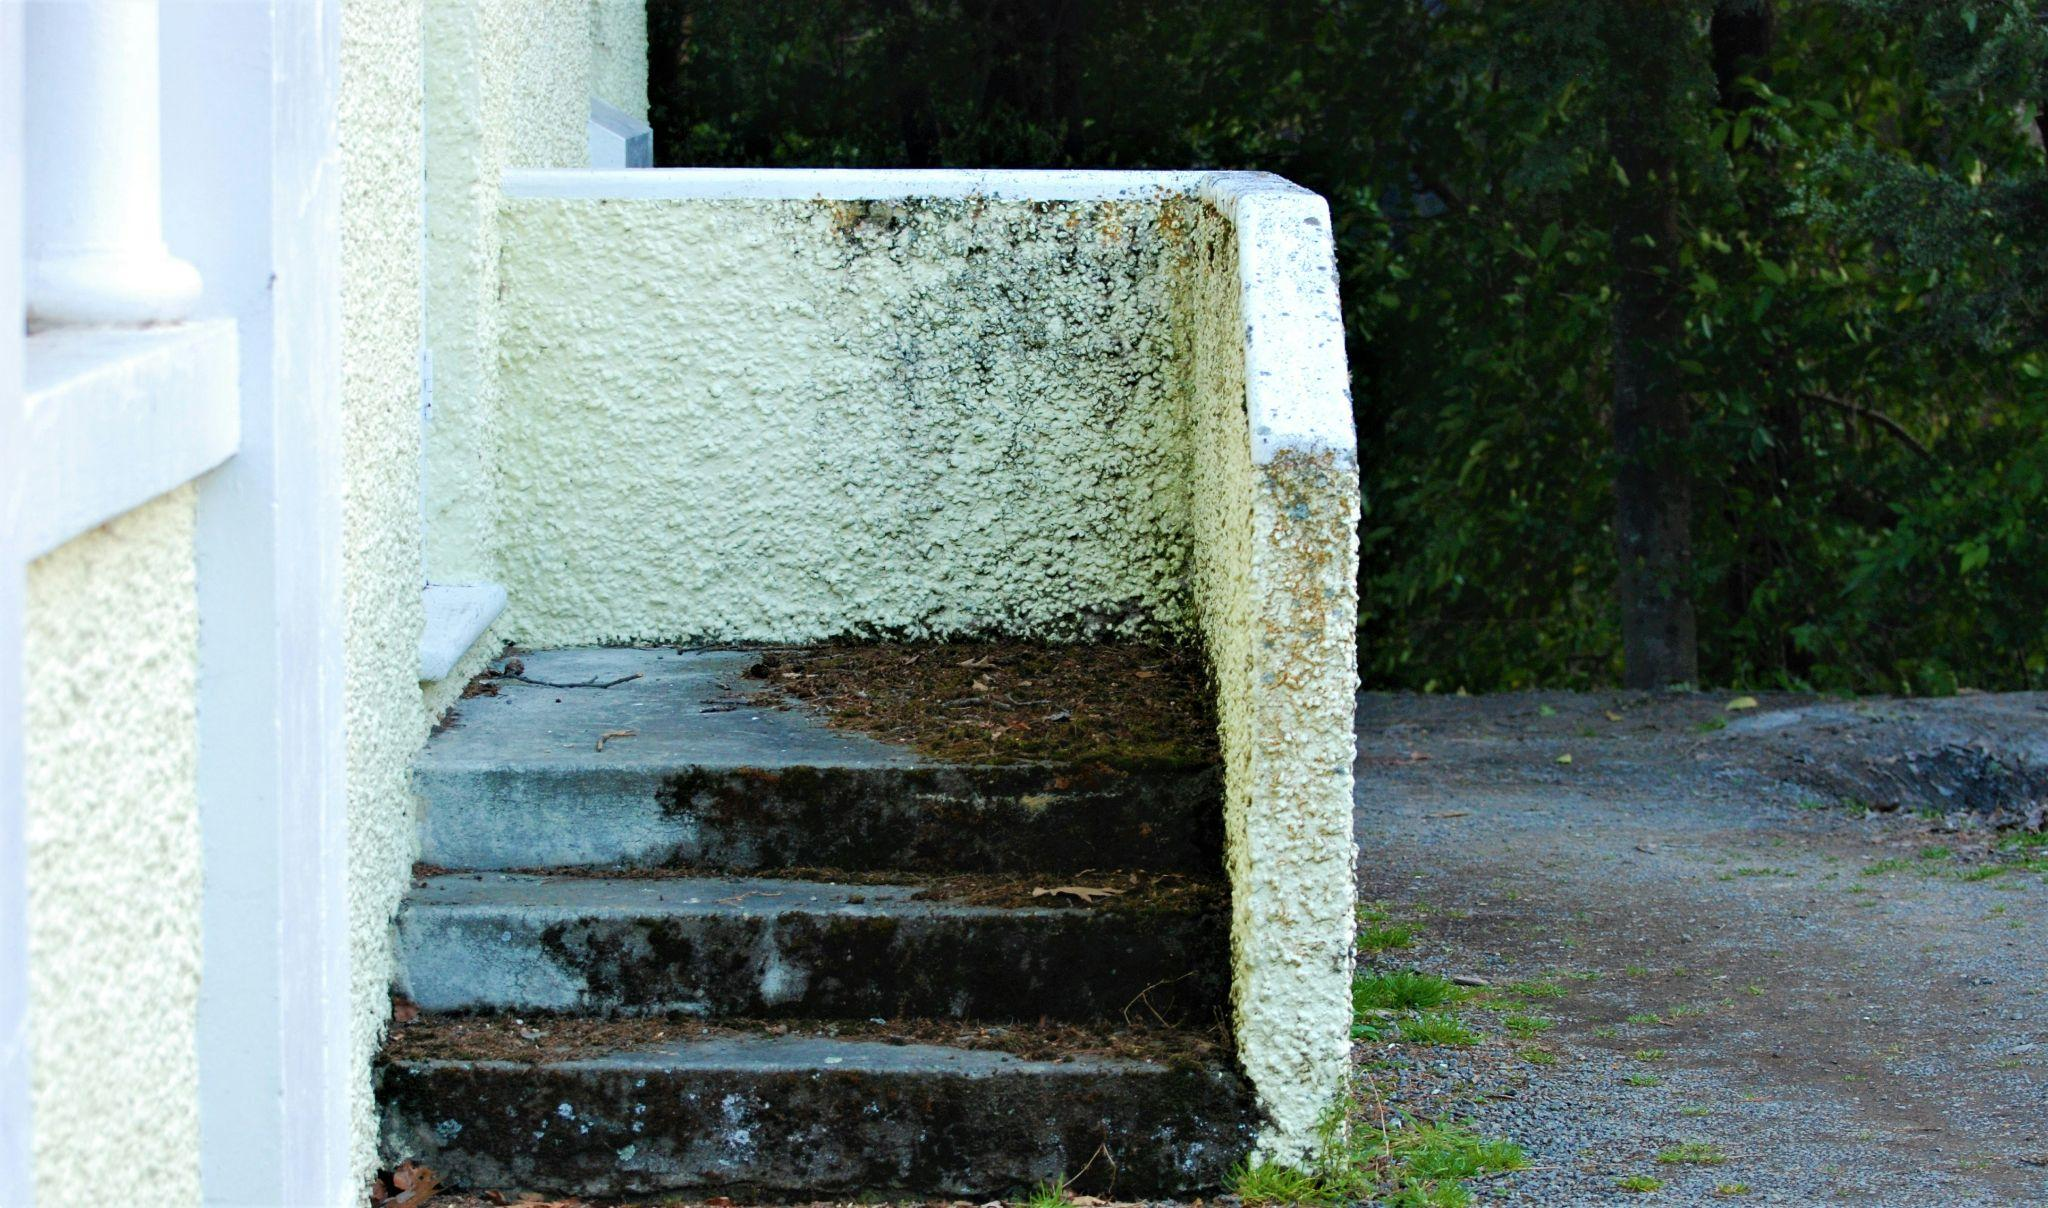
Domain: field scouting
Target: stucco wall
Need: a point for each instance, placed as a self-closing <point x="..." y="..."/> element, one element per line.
<point x="114" y="862"/>
<point x="789" y="419"/>
<point x="1273" y="561"/>
<point x="618" y="54"/>
<point x="506" y="87"/>
<point x="386" y="721"/>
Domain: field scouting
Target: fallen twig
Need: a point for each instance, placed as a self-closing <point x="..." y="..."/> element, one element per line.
<point x="589" y="683"/>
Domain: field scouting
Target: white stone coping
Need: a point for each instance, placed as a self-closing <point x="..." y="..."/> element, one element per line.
<point x="118" y="416"/>
<point x="1297" y="387"/>
<point x="457" y="615"/>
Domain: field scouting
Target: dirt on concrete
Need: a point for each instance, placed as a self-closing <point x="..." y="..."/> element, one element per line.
<point x="1789" y="952"/>
<point x="1124" y="705"/>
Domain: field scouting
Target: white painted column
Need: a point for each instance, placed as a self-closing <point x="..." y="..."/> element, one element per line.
<point x="96" y="249"/>
<point x="17" y="1176"/>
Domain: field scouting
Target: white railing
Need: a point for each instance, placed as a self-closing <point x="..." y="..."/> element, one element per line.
<point x="95" y="185"/>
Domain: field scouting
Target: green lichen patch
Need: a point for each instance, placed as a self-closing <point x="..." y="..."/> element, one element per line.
<point x="1128" y="706"/>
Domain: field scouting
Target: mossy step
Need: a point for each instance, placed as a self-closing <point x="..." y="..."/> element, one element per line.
<point x="763" y="947"/>
<point x="778" y="1116"/>
<point x="674" y="762"/>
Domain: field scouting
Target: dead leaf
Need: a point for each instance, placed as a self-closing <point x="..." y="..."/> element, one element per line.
<point x="1087" y="893"/>
<point x="1086" y="1201"/>
<point x="411" y="1185"/>
<point x="719" y="1201"/>
<point x="1613" y="716"/>
<point x="1565" y="758"/>
<point x="608" y="735"/>
<point x="1740" y="703"/>
<point x="403" y="1011"/>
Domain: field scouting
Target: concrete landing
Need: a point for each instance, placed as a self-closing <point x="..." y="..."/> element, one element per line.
<point x="810" y="1115"/>
<point x="759" y="947"/>
<point x="706" y="780"/>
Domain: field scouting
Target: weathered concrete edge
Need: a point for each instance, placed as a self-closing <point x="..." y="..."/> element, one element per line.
<point x="1297" y="386"/>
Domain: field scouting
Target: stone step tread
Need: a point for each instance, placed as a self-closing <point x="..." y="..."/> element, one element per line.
<point x="813" y="1114"/>
<point x="721" y="947"/>
<point x="595" y="895"/>
<point x="706" y="778"/>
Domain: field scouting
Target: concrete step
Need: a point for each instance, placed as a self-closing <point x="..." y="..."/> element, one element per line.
<point x="730" y="946"/>
<point x="709" y="780"/>
<point x="830" y="1118"/>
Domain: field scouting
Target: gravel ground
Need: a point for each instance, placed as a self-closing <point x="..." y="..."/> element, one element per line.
<point x="1732" y="968"/>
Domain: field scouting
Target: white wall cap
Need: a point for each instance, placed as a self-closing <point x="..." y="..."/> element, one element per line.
<point x="847" y="184"/>
<point x="118" y="416"/>
<point x="617" y="139"/>
<point x="1297" y="388"/>
<point x="457" y="615"/>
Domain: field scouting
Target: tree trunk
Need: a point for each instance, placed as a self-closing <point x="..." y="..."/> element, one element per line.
<point x="1652" y="422"/>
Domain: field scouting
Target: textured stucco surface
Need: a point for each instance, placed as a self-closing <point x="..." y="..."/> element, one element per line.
<point x="506" y="87"/>
<point x="1275" y="501"/>
<point x="386" y="722"/>
<point x="789" y="419"/>
<point x="618" y="54"/>
<point x="114" y="863"/>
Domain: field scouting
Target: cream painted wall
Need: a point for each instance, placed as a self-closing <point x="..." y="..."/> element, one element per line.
<point x="791" y="419"/>
<point x="507" y="86"/>
<point x="618" y="54"/>
<point x="114" y="862"/>
<point x="385" y="719"/>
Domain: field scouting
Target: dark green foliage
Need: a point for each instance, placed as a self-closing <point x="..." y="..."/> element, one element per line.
<point x="1863" y="262"/>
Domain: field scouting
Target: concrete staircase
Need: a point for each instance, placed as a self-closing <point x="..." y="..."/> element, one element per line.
<point x="729" y="949"/>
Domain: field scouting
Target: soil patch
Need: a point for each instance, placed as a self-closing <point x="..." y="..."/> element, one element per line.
<point x="1089" y="889"/>
<point x="1127" y="705"/>
<point x="535" y="1038"/>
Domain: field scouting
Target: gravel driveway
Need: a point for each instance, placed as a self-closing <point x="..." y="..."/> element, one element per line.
<point x="1730" y="928"/>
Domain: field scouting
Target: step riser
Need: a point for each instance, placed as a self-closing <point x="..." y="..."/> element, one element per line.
<point x="998" y="820"/>
<point x="1017" y="965"/>
<point x="624" y="1131"/>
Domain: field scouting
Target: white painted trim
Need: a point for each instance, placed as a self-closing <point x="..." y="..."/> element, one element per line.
<point x="1297" y="387"/>
<point x="17" y="1169"/>
<point x="117" y="417"/>
<point x="457" y="615"/>
<point x="251" y="179"/>
<point x="846" y="184"/>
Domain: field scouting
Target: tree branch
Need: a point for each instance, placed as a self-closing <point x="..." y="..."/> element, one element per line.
<point x="1877" y="417"/>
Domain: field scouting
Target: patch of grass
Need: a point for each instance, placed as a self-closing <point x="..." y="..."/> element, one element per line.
<point x="1436" y="1027"/>
<point x="1692" y="1153"/>
<point x="1754" y="989"/>
<point x="1414" y="1166"/>
<point x="1642" y="1080"/>
<point x="1731" y="1189"/>
<point x="1937" y="852"/>
<point x="1650" y="1054"/>
<point x="1983" y="872"/>
<point x="2024" y="840"/>
<point x="1764" y="871"/>
<point x="1606" y="1031"/>
<point x="1710" y="725"/>
<point x="1637" y="971"/>
<point x="1524" y="1026"/>
<point x="1261" y="1183"/>
<point x="1536" y="989"/>
<point x="1880" y="867"/>
<point x="1695" y="1109"/>
<point x="1539" y="1056"/>
<point x="1639" y="1183"/>
<point x="1683" y="1010"/>
<point x="1402" y="990"/>
<point x="1644" y="1017"/>
<point x="1383" y="937"/>
<point x="1437" y="1152"/>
